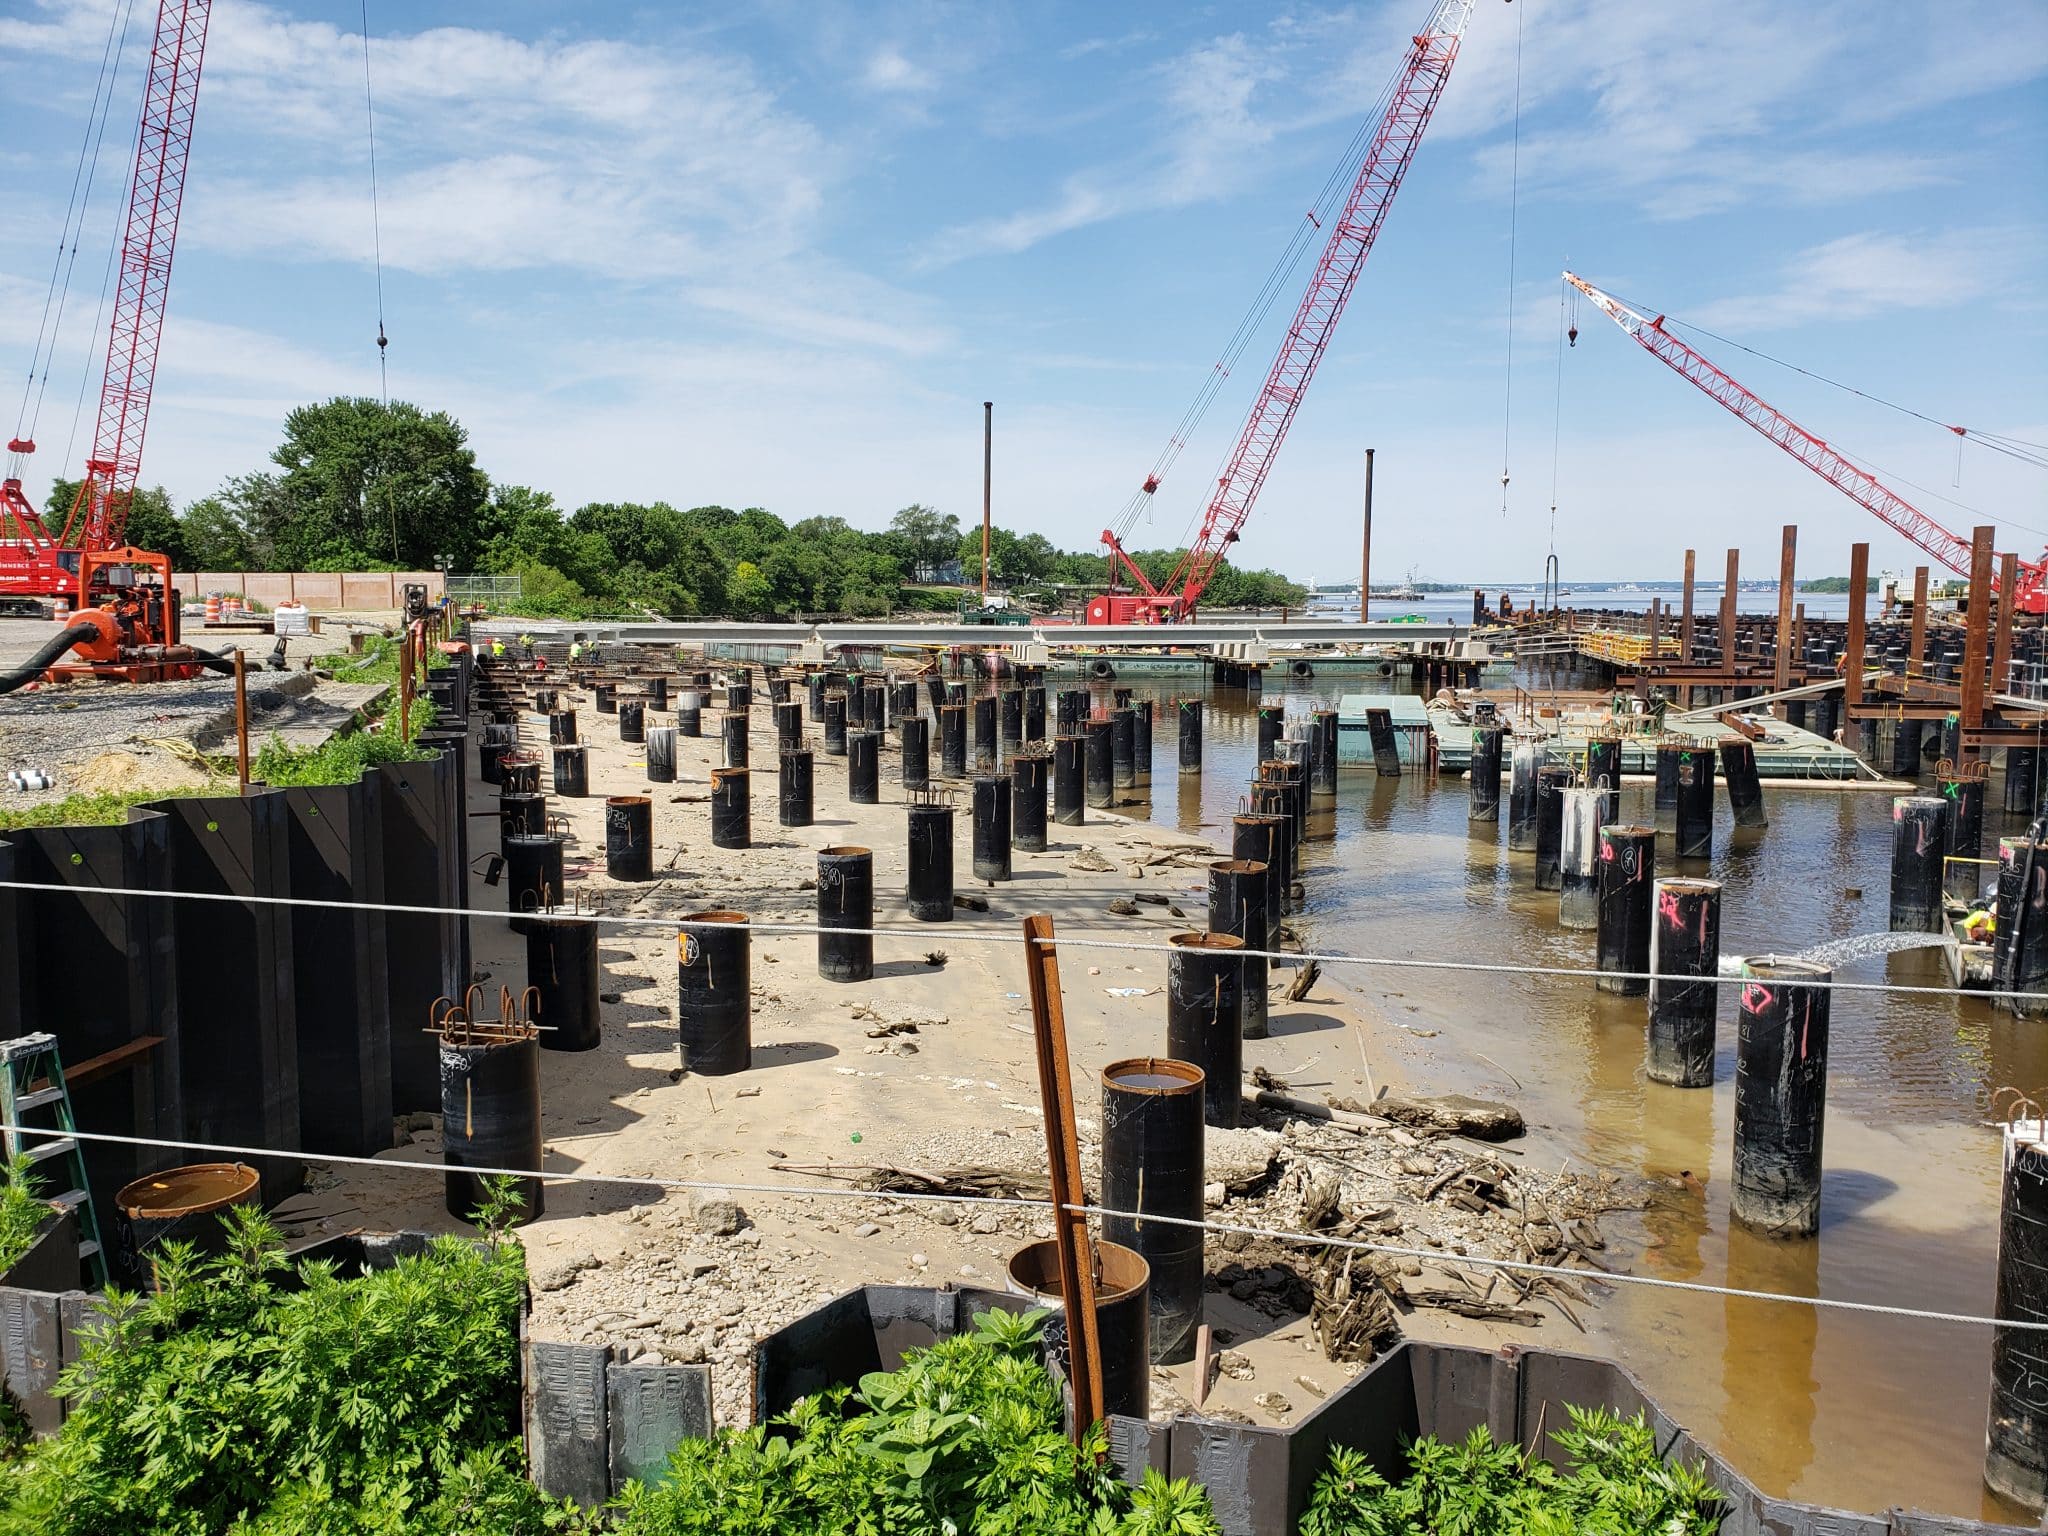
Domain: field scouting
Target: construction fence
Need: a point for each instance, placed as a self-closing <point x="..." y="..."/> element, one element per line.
<point x="323" y="591"/>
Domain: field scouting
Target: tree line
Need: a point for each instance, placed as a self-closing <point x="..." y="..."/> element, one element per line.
<point x="356" y="484"/>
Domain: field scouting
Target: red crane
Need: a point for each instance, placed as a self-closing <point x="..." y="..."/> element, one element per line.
<point x="34" y="562"/>
<point x="1858" y="484"/>
<point x="1414" y="97"/>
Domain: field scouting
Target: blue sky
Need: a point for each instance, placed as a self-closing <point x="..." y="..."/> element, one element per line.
<point x="778" y="254"/>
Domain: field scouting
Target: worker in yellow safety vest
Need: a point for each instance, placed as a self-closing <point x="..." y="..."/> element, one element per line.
<point x="497" y="647"/>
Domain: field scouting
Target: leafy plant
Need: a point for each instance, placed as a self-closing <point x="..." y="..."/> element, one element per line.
<point x="1617" y="1486"/>
<point x="228" y="1401"/>
<point x="21" y="1212"/>
<point x="94" y="810"/>
<point x="965" y="1439"/>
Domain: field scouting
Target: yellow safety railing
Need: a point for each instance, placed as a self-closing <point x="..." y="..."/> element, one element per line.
<point x="1623" y="648"/>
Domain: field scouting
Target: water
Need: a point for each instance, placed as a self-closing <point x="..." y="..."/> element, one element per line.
<point x="1864" y="946"/>
<point x="1706" y="599"/>
<point x="1862" y="1412"/>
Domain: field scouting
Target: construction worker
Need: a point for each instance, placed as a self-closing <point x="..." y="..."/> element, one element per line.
<point x="497" y="648"/>
<point x="1658" y="704"/>
<point x="575" y="652"/>
<point x="1980" y="923"/>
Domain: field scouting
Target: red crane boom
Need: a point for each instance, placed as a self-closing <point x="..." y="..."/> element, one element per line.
<point x="1409" y="108"/>
<point x="33" y="561"/>
<point x="1858" y="484"/>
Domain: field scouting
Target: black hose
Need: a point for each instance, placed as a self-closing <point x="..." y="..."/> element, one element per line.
<point x="36" y="665"/>
<point x="213" y="659"/>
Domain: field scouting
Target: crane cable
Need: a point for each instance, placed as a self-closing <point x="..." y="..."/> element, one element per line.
<point x="83" y="175"/>
<point x="2020" y="448"/>
<point x="1567" y="333"/>
<point x="2035" y="454"/>
<point x="1507" y="407"/>
<point x="376" y="223"/>
<point x="1311" y="224"/>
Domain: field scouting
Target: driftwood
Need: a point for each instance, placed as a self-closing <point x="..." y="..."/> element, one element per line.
<point x="1304" y="981"/>
<point x="1001" y="1183"/>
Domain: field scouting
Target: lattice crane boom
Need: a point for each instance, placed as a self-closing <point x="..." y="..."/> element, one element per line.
<point x="170" y="100"/>
<point x="34" y="560"/>
<point x="1853" y="481"/>
<point x="1399" y="132"/>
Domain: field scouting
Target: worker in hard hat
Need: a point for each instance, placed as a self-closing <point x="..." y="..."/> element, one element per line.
<point x="497" y="648"/>
<point x="1980" y="923"/>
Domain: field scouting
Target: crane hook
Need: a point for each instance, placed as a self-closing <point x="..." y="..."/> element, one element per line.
<point x="1572" y="335"/>
<point x="382" y="340"/>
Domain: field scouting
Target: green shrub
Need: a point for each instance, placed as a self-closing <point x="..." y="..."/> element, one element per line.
<point x="1617" y="1486"/>
<point x="381" y="1406"/>
<point x="102" y="810"/>
<point x="964" y="1438"/>
<point x="21" y="1212"/>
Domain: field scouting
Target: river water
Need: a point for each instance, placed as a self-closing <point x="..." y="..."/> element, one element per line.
<point x="1857" y="1411"/>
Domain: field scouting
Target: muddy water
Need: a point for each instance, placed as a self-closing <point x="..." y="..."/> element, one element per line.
<point x="1856" y="1411"/>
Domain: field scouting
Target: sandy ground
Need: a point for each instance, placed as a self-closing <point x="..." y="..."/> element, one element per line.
<point x="837" y="1081"/>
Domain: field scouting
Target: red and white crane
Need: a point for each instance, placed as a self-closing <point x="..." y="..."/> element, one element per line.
<point x="34" y="561"/>
<point x="1858" y="484"/>
<point x="1414" y="97"/>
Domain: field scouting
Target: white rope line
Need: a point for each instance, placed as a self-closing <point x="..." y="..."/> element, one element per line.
<point x="962" y="934"/>
<point x="1307" y="1239"/>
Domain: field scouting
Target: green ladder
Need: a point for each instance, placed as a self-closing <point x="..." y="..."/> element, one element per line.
<point x="23" y="1063"/>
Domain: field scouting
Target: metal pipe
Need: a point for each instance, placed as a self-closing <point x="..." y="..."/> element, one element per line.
<point x="1205" y="1018"/>
<point x="732" y="732"/>
<point x="1693" y="815"/>
<point x="1524" y="764"/>
<point x="846" y="914"/>
<point x="930" y="885"/>
<point x="714" y="994"/>
<point x="1152" y="1166"/>
<point x="1919" y="834"/>
<point x="914" y="750"/>
<point x="1627" y="870"/>
<point x="991" y="827"/>
<point x="1484" y="774"/>
<point x="629" y="837"/>
<point x="864" y="766"/>
<point x="1101" y="769"/>
<point x="1190" y="712"/>
<point x="732" y="813"/>
<point x="1237" y="905"/>
<point x="793" y="790"/>
<point x="1027" y="800"/>
<point x="1685" y="956"/>
<point x="1781" y="1064"/>
<point x="1069" y="801"/>
<point x="661" y="754"/>
<point x="572" y="772"/>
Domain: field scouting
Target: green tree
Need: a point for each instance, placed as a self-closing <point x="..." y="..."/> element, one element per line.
<point x="152" y="522"/>
<point x="748" y="592"/>
<point x="929" y="538"/>
<point x="366" y="483"/>
<point x="217" y="538"/>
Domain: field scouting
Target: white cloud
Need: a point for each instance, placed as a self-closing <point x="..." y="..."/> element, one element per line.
<point x="888" y="71"/>
<point x="1872" y="274"/>
<point x="1206" y="97"/>
<point x="1678" y="113"/>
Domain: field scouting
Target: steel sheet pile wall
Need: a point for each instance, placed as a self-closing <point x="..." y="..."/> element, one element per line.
<point x="283" y="1026"/>
<point x="423" y="952"/>
<point x="338" y="965"/>
<point x="1259" y="1478"/>
<point x="100" y="973"/>
<point x="237" y="1004"/>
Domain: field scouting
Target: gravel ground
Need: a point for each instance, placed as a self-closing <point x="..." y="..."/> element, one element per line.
<point x="98" y="737"/>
